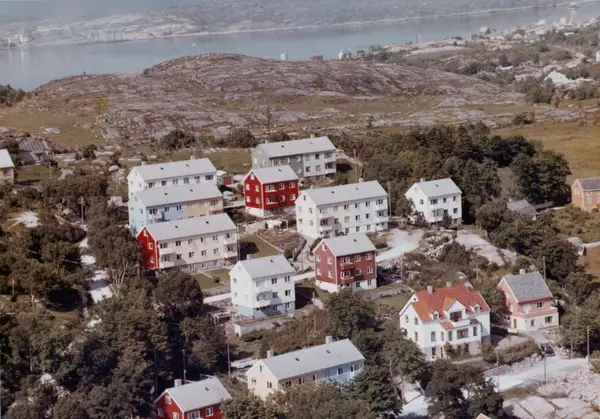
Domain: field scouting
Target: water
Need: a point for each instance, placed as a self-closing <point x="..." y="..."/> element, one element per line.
<point x="30" y="67"/>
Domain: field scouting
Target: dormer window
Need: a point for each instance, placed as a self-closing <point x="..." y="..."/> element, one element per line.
<point x="476" y="308"/>
<point x="436" y="316"/>
<point x="455" y="316"/>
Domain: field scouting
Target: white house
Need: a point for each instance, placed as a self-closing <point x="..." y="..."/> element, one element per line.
<point x="435" y="198"/>
<point x="346" y="209"/>
<point x="160" y="175"/>
<point x="335" y="362"/>
<point x="457" y="315"/>
<point x="263" y="287"/>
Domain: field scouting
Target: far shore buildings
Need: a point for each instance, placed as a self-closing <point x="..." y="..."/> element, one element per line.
<point x="457" y="315"/>
<point x="192" y="400"/>
<point x="263" y="287"/>
<point x="158" y="205"/>
<point x="346" y="262"/>
<point x="161" y="175"/>
<point x="270" y="191"/>
<point x="193" y="244"/>
<point x="333" y="362"/>
<point x="345" y="209"/>
<point x="529" y="303"/>
<point x="585" y="193"/>
<point x="436" y="198"/>
<point x="310" y="158"/>
<point x="7" y="168"/>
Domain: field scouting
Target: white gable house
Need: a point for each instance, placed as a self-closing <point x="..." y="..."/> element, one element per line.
<point x="436" y="198"/>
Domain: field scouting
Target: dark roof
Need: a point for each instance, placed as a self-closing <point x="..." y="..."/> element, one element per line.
<point x="589" y="184"/>
<point x="521" y="206"/>
<point x="528" y="286"/>
<point x="36" y="146"/>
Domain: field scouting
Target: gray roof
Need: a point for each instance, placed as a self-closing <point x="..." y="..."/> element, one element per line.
<point x="5" y="160"/>
<point x="295" y="147"/>
<point x="528" y="286"/>
<point x="350" y="245"/>
<point x="438" y="187"/>
<point x="267" y="266"/>
<point x="275" y="174"/>
<point x="344" y="193"/>
<point x="35" y="146"/>
<point x="174" y="194"/>
<point x="191" y="167"/>
<point x="589" y="184"/>
<point x="190" y="227"/>
<point x="315" y="358"/>
<point x="521" y="206"/>
<point x="205" y="393"/>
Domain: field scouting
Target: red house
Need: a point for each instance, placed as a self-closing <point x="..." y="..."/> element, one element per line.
<point x="194" y="400"/>
<point x="345" y="261"/>
<point x="270" y="190"/>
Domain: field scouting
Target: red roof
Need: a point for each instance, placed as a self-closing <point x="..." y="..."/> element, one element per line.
<point x="442" y="298"/>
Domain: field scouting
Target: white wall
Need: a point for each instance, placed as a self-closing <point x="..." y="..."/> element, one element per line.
<point x="136" y="183"/>
<point x="245" y="289"/>
<point x="425" y="205"/>
<point x="225" y="247"/>
<point x="373" y="216"/>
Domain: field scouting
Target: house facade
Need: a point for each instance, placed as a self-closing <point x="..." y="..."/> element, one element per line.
<point x="263" y="287"/>
<point x="159" y="205"/>
<point x="330" y="363"/>
<point x="585" y="193"/>
<point x="192" y="400"/>
<point x="161" y="175"/>
<point x="457" y="315"/>
<point x="270" y="190"/>
<point x="528" y="302"/>
<point x="345" y="262"/>
<point x="436" y="198"/>
<point x="311" y="158"/>
<point x="193" y="244"/>
<point x="346" y="209"/>
<point x="7" y="168"/>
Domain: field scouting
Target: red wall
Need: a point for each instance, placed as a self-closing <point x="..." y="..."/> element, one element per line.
<point x="145" y="250"/>
<point x="338" y="267"/>
<point x="169" y="409"/>
<point x="286" y="192"/>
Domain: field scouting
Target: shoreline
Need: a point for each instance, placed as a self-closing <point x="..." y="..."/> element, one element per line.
<point x="299" y="28"/>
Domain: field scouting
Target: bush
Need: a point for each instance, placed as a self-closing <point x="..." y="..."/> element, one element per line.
<point x="518" y="352"/>
<point x="252" y="336"/>
<point x="524" y="118"/>
<point x="10" y="96"/>
<point x="488" y="353"/>
<point x="238" y="138"/>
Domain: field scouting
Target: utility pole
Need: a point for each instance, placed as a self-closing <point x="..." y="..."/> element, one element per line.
<point x="545" y="377"/>
<point x="228" y="360"/>
<point x="184" y="370"/>
<point x="544" y="266"/>
<point x="588" y="343"/>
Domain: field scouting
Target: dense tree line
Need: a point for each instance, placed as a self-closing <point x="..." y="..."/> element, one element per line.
<point x="10" y="96"/>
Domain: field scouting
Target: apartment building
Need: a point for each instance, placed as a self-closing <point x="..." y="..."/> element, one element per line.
<point x="457" y="315"/>
<point x="160" y="175"/>
<point x="435" y="199"/>
<point x="346" y="262"/>
<point x="192" y="400"/>
<point x="335" y="362"/>
<point x="7" y="168"/>
<point x="270" y="190"/>
<point x="159" y="205"/>
<point x="346" y="209"/>
<point x="311" y="158"/>
<point x="528" y="302"/>
<point x="585" y="193"/>
<point x="193" y="244"/>
<point x="263" y="287"/>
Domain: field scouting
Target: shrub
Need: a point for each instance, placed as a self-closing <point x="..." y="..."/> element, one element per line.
<point x="524" y="118"/>
<point x="488" y="353"/>
<point x="450" y="351"/>
<point x="518" y="352"/>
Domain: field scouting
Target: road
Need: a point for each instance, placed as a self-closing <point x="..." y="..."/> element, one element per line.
<point x="555" y="368"/>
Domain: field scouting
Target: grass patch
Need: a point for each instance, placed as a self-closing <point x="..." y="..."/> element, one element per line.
<point x="396" y="301"/>
<point x="219" y="273"/>
<point x="592" y="259"/>
<point x="33" y="173"/>
<point x="206" y="281"/>
<point x="574" y="222"/>
<point x="257" y="247"/>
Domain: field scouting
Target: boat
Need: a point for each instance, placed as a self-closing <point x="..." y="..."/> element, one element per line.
<point x="574" y="6"/>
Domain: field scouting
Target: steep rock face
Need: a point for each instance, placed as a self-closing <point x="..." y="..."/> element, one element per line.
<point x="209" y="91"/>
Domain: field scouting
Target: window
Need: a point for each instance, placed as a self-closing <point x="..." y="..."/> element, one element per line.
<point x="292" y="197"/>
<point x="197" y="179"/>
<point x="307" y="157"/>
<point x="175" y="415"/>
<point x="346" y="259"/>
<point x="215" y="251"/>
<point x="288" y="293"/>
<point x="288" y="384"/>
<point x="442" y="336"/>
<point x="318" y="167"/>
<point x="215" y="238"/>
<point x="367" y="216"/>
<point x="318" y="258"/>
<point x="292" y="184"/>
<point x="475" y="331"/>
<point x="329" y="274"/>
<point x="434" y="352"/>
<point x="532" y="323"/>
<point x="346" y="206"/>
<point x="203" y="253"/>
<point x="406" y="319"/>
<point x="300" y="380"/>
<point x="162" y="245"/>
<point x="357" y="217"/>
<point x="167" y="399"/>
<point x="444" y="200"/>
<point x="369" y="282"/>
<point x="150" y="246"/>
<point x="281" y="186"/>
<point x="175" y="181"/>
<point x="288" y="305"/>
<point x="273" y="281"/>
<point x="455" y="211"/>
<point x="436" y="316"/>
<point x="191" y="254"/>
<point x="370" y="270"/>
<point x="416" y="336"/>
<point x="462" y="334"/>
<point x="357" y="258"/>
<point x="210" y="411"/>
<point x="281" y="198"/>
<point x="476" y="308"/>
<point x="449" y="335"/>
<point x="548" y="319"/>
<point x="434" y="201"/>
<point x="275" y="295"/>
<point x="167" y="209"/>
<point x="270" y="188"/>
<point x="369" y="256"/>
<point x="178" y="256"/>
<point x="248" y="186"/>
<point x="433" y="336"/>
<point x="455" y="316"/>
<point x="160" y="412"/>
<point x="163" y="183"/>
<point x="357" y="272"/>
<point x="208" y="177"/>
<point x="287" y="279"/>
<point x="178" y="243"/>
<point x="256" y="188"/>
<point x="421" y="201"/>
<point x="379" y="202"/>
<point x="193" y="415"/>
<point x="540" y="305"/>
<point x="340" y="371"/>
<point x="307" y="169"/>
<point x="269" y="384"/>
<point x="346" y="219"/>
<point x="315" y="377"/>
<point x="454" y="198"/>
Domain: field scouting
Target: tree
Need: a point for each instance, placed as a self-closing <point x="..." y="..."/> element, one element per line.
<point x="404" y="357"/>
<point x="179" y="295"/>
<point x="348" y="314"/>
<point x="578" y="286"/>
<point x="206" y="345"/>
<point x="375" y="386"/>
<point x="483" y="398"/>
<point x="246" y="405"/>
<point x="495" y="299"/>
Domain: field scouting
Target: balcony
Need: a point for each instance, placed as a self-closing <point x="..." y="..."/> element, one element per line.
<point x="167" y="263"/>
<point x="381" y="207"/>
<point x="166" y="251"/>
<point x="322" y="216"/>
<point x="157" y="217"/>
<point x="323" y="228"/>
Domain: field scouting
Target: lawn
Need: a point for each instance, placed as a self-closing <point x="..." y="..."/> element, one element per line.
<point x="255" y="246"/>
<point x="592" y="258"/>
<point x="396" y="301"/>
<point x="33" y="173"/>
<point x="206" y="282"/>
<point x="574" y="222"/>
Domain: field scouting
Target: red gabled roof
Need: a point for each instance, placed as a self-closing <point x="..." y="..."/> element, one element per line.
<point x="442" y="298"/>
<point x="141" y="231"/>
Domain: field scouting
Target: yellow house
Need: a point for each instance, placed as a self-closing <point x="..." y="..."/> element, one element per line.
<point x="7" y="168"/>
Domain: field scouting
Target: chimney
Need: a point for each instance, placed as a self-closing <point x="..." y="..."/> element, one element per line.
<point x="448" y="284"/>
<point x="312" y="135"/>
<point x="312" y="186"/>
<point x="192" y="157"/>
<point x="430" y="289"/>
<point x="270" y="353"/>
<point x="522" y="271"/>
<point x="469" y="285"/>
<point x="143" y="163"/>
<point x="178" y="382"/>
<point x="328" y="339"/>
<point x="361" y="180"/>
<point x="248" y="256"/>
<point x="423" y="180"/>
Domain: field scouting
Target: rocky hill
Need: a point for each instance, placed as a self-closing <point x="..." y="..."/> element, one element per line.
<point x="214" y="92"/>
